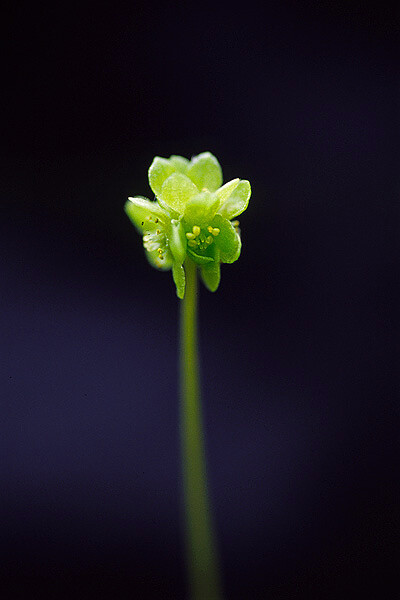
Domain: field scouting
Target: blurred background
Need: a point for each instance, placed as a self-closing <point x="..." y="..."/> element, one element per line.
<point x="297" y="344"/>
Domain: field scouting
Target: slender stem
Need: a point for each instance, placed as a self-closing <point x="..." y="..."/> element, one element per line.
<point x="200" y="545"/>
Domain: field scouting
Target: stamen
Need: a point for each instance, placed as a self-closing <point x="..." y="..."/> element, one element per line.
<point x="235" y="223"/>
<point x="159" y="251"/>
<point x="209" y="229"/>
<point x="215" y="231"/>
<point x="209" y="240"/>
<point x="196" y="230"/>
<point x="190" y="236"/>
<point x="192" y="243"/>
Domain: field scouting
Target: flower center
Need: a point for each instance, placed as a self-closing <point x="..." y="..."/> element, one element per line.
<point x="156" y="241"/>
<point x="201" y="238"/>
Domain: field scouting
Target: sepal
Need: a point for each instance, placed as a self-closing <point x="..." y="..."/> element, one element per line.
<point x="179" y="277"/>
<point x="199" y="259"/>
<point x="177" y="241"/>
<point x="211" y="275"/>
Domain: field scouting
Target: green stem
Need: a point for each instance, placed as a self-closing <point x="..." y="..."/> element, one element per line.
<point x="200" y="545"/>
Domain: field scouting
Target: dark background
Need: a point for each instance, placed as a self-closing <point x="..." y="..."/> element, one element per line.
<point x="297" y="349"/>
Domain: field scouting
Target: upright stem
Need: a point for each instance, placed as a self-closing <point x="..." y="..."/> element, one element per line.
<point x="200" y="545"/>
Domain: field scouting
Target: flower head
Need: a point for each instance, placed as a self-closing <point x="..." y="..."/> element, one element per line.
<point x="191" y="217"/>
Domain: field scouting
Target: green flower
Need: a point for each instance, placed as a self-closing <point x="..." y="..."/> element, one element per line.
<point x="191" y="217"/>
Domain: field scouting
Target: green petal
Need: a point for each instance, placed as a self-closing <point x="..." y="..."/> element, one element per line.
<point x="228" y="241"/>
<point x="159" y="170"/>
<point x="176" y="191"/>
<point x="161" y="264"/>
<point x="178" y="274"/>
<point x="199" y="259"/>
<point x="205" y="171"/>
<point x="237" y="202"/>
<point x="177" y="241"/>
<point x="226" y="190"/>
<point x="211" y="275"/>
<point x="145" y="215"/>
<point x="179" y="162"/>
<point x="201" y="209"/>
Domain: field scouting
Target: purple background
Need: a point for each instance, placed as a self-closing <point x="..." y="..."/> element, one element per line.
<point x="297" y="349"/>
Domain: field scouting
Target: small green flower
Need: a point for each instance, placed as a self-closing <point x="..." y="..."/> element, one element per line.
<point x="191" y="217"/>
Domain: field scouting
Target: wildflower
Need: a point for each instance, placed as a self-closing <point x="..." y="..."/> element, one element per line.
<point x="191" y="217"/>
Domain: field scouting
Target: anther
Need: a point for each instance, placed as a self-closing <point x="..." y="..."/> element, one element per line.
<point x="209" y="229"/>
<point x="159" y="250"/>
<point x="196" y="230"/>
<point x="190" y="236"/>
<point x="156" y="221"/>
<point x="235" y="223"/>
<point x="215" y="231"/>
<point x="158" y="232"/>
<point x="192" y="243"/>
<point x="209" y="240"/>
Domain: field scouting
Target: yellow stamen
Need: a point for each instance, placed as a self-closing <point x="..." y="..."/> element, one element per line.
<point x="209" y="240"/>
<point x="159" y="251"/>
<point x="235" y="223"/>
<point x="190" y="236"/>
<point x="215" y="231"/>
<point x="192" y="243"/>
<point x="196" y="230"/>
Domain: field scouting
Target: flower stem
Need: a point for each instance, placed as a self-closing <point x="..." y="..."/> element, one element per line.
<point x="200" y="544"/>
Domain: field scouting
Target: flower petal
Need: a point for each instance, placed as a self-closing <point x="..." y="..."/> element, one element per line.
<point x="201" y="208"/>
<point x="176" y="191"/>
<point x="178" y="274"/>
<point x="228" y="241"/>
<point x="177" y="241"/>
<point x="164" y="264"/>
<point x="205" y="171"/>
<point x="179" y="162"/>
<point x="159" y="170"/>
<point x="226" y="190"/>
<point x="145" y="215"/>
<point x="237" y="202"/>
<point x="211" y="275"/>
